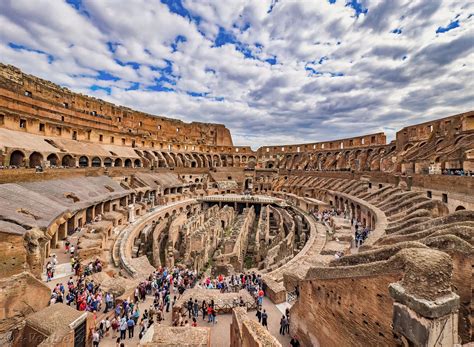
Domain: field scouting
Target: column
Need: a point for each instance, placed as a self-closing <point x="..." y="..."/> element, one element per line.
<point x="425" y="311"/>
<point x="131" y="213"/>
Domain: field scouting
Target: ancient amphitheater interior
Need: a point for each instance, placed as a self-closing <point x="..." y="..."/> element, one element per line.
<point x="360" y="241"/>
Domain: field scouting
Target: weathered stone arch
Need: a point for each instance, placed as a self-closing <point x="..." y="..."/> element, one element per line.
<point x="68" y="161"/>
<point x="83" y="161"/>
<point x="96" y="162"/>
<point x="53" y="159"/>
<point x="35" y="159"/>
<point x="17" y="158"/>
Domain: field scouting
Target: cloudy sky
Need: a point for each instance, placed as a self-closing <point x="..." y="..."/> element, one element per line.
<point x="272" y="71"/>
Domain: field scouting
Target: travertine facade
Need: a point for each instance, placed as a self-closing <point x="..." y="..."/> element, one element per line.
<point x="148" y="191"/>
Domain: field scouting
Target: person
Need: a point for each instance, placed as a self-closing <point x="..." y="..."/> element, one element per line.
<point x="265" y="319"/>
<point x="214" y="316"/>
<point x="71" y="250"/>
<point x="168" y="301"/>
<point x="107" y="326"/>
<point x="282" y="325"/>
<point x="131" y="327"/>
<point x="294" y="342"/>
<point x="190" y="306"/>
<point x="117" y="342"/>
<point x="260" y="297"/>
<point x="194" y="322"/>
<point x="115" y="325"/>
<point x="195" y="308"/>
<point x="67" y="244"/>
<point x="209" y="314"/>
<point x="123" y="328"/>
<point x="204" y="309"/>
<point x="287" y="326"/>
<point x="95" y="338"/>
<point x="259" y="314"/>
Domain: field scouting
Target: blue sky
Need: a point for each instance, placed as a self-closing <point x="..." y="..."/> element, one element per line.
<point x="272" y="71"/>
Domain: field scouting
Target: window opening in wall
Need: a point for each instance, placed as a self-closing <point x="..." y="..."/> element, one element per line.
<point x="74" y="135"/>
<point x="58" y="130"/>
<point x="66" y="105"/>
<point x="119" y="119"/>
<point x="2" y="119"/>
<point x="363" y="141"/>
<point x="112" y="139"/>
<point x="370" y="185"/>
<point x="23" y="123"/>
<point x="372" y="139"/>
<point x="94" y="113"/>
<point x="177" y="130"/>
<point x="229" y="177"/>
<point x="159" y="127"/>
<point x="62" y="118"/>
<point x="123" y="141"/>
<point x="133" y="143"/>
<point x="140" y="124"/>
<point x="143" y="143"/>
<point x="380" y="186"/>
<point x="28" y="93"/>
<point x="429" y="194"/>
<point x="41" y="127"/>
<point x="445" y="198"/>
<point x="101" y="138"/>
<point x="322" y="146"/>
<point x="89" y="135"/>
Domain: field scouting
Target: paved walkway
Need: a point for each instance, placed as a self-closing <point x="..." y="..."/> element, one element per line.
<point x="220" y="332"/>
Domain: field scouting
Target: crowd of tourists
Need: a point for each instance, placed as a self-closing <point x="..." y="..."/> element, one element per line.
<point x="457" y="172"/>
<point x="166" y="286"/>
<point x="361" y="232"/>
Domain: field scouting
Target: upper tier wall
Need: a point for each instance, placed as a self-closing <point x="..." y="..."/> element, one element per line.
<point x="35" y="106"/>
<point x="30" y="95"/>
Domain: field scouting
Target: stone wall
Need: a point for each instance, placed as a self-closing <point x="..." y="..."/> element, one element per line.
<point x="245" y="332"/>
<point x="13" y="258"/>
<point x="21" y="295"/>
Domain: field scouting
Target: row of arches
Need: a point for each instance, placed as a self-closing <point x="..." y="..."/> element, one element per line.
<point x="369" y="159"/>
<point x="19" y="158"/>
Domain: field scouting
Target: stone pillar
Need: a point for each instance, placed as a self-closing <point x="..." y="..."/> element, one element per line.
<point x="131" y="213"/>
<point x="152" y="200"/>
<point x="62" y="231"/>
<point x="424" y="322"/>
<point x="425" y="310"/>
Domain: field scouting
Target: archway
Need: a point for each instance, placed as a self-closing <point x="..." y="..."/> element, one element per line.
<point x="128" y="163"/>
<point x="17" y="158"/>
<point x="137" y="163"/>
<point x="83" y="161"/>
<point x="35" y="159"/>
<point x="53" y="159"/>
<point x="96" y="162"/>
<point x="460" y="208"/>
<point x="108" y="162"/>
<point x="68" y="161"/>
<point x="118" y="162"/>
